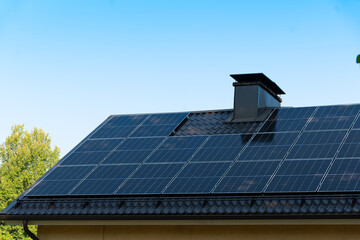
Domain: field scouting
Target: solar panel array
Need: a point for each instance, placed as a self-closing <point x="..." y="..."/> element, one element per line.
<point x="312" y="149"/>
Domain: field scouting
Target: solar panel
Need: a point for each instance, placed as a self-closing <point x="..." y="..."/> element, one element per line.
<point x="104" y="180"/>
<point x="119" y="126"/>
<point x="351" y="147"/>
<point x="197" y="178"/>
<point x="91" y="152"/>
<point x="176" y="149"/>
<point x="159" y="124"/>
<point x="246" y="177"/>
<point x="133" y="150"/>
<point x="150" y="179"/>
<point x="307" y="162"/>
<point x="208" y="164"/>
<point x="221" y="148"/>
<point x="344" y="174"/>
<point x="309" y="159"/>
<point x="254" y="167"/>
<point x="109" y="156"/>
<point x="333" y="117"/>
<point x="287" y="119"/>
<point x="61" y="180"/>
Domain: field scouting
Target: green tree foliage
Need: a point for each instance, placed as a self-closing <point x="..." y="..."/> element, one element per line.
<point x="25" y="157"/>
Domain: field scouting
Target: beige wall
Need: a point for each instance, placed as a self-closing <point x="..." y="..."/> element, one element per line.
<point x="319" y="232"/>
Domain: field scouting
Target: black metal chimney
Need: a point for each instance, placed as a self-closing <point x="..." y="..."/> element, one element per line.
<point x="255" y="96"/>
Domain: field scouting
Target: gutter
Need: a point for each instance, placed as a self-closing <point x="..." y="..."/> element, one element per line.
<point x="27" y="230"/>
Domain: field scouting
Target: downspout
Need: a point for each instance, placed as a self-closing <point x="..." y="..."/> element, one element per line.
<point x="28" y="232"/>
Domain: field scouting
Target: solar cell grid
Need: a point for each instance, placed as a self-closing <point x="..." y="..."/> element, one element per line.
<point x="268" y="146"/>
<point x="351" y="147"/>
<point x="60" y="181"/>
<point x="134" y="144"/>
<point x="167" y="118"/>
<point x="150" y="179"/>
<point x="154" y="130"/>
<point x="127" y="156"/>
<point x="159" y="124"/>
<point x="126" y="120"/>
<point x="256" y="164"/>
<point x="292" y="113"/>
<point x="91" y="152"/>
<point x="52" y="188"/>
<point x="327" y="123"/>
<point x="197" y="178"/>
<point x="70" y="173"/>
<point x="337" y="111"/>
<point x="284" y="125"/>
<point x="108" y="177"/>
<point x="99" y="145"/>
<point x="119" y="126"/>
<point x="344" y="175"/>
<point x="176" y="149"/>
<point x="296" y="183"/>
<point x="221" y="148"/>
<point x="287" y="120"/>
<point x="246" y="177"/>
<point x="317" y="145"/>
<point x="83" y="158"/>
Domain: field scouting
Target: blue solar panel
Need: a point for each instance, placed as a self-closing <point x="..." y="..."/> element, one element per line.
<point x="307" y="162"/>
<point x="176" y="149"/>
<point x="344" y="175"/>
<point x="333" y="117"/>
<point x="197" y="178"/>
<point x="160" y="125"/>
<point x="52" y="188"/>
<point x="337" y="111"/>
<point x="91" y="152"/>
<point x="61" y="180"/>
<point x="83" y="158"/>
<point x="150" y="179"/>
<point x="119" y="126"/>
<point x="257" y="163"/>
<point x="351" y="147"/>
<point x="287" y="119"/>
<point x="104" y="180"/>
<point x="247" y="177"/>
<point x="316" y="145"/>
<point x="221" y="148"/>
<point x="99" y="145"/>
<point x="133" y="150"/>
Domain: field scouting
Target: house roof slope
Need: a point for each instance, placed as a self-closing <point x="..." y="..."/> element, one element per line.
<point x="299" y="162"/>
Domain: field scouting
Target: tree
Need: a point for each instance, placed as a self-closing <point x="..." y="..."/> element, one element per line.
<point x="24" y="158"/>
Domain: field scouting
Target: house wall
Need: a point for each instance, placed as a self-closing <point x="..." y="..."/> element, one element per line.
<point x="291" y="232"/>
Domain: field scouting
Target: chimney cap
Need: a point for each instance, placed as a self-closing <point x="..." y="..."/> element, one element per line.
<point x="256" y="79"/>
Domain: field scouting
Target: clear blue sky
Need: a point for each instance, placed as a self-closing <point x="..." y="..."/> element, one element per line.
<point x="67" y="65"/>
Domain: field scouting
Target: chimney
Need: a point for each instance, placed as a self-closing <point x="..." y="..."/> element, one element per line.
<point x="255" y="96"/>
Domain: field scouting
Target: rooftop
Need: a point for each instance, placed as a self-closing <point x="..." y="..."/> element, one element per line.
<point x="296" y="163"/>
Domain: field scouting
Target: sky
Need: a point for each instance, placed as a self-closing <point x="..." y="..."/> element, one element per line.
<point x="66" y="65"/>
